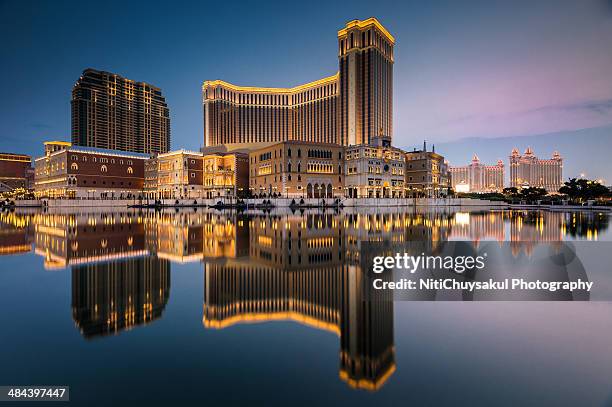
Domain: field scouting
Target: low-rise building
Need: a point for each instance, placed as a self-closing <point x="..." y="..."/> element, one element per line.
<point x="375" y="170"/>
<point x="426" y="174"/>
<point x="14" y="171"/>
<point x="179" y="175"/>
<point x="185" y="174"/>
<point x="297" y="169"/>
<point x="67" y="171"/>
<point x="226" y="175"/>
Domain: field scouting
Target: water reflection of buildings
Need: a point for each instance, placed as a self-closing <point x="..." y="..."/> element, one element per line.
<point x="114" y="296"/>
<point x="116" y="281"/>
<point x="297" y="270"/>
<point x="15" y="234"/>
<point x="307" y="267"/>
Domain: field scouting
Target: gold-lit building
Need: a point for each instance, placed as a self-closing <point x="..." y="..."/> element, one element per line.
<point x="349" y="107"/>
<point x="427" y="174"/>
<point x="297" y="169"/>
<point x="185" y="174"/>
<point x="478" y="177"/>
<point x="527" y="170"/>
<point x="375" y="170"/>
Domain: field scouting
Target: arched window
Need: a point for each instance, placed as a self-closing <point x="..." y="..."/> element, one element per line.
<point x="130" y="170"/>
<point x="74" y="166"/>
<point x="289" y="167"/>
<point x="103" y="168"/>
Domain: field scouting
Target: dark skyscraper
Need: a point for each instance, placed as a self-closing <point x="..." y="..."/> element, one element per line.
<point x="112" y="112"/>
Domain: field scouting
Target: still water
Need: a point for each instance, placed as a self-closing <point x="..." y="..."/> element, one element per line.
<point x="198" y="307"/>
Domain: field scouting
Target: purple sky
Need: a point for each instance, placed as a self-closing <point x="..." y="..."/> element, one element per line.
<point x="545" y="67"/>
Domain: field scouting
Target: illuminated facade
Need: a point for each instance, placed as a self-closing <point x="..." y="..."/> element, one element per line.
<point x="347" y="108"/>
<point x="14" y="171"/>
<point x="527" y="170"/>
<point x="296" y="169"/>
<point x="477" y="177"/>
<point x="427" y="174"/>
<point x="82" y="172"/>
<point x="116" y="113"/>
<point x="185" y="174"/>
<point x="375" y="170"/>
<point x="67" y="171"/>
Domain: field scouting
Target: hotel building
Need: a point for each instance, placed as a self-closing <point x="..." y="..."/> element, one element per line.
<point x="477" y="177"/>
<point x="350" y="107"/>
<point x="297" y="169"/>
<point x="426" y="174"/>
<point x="185" y="174"/>
<point x="67" y="171"/>
<point x="375" y="170"/>
<point x="113" y="112"/>
<point x="527" y="170"/>
<point x="14" y="171"/>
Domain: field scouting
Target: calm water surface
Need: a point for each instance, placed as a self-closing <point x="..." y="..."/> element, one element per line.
<point x="216" y="308"/>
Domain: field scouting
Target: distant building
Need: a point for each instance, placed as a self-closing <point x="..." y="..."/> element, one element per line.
<point x="14" y="171"/>
<point x="67" y="171"/>
<point x="477" y="177"/>
<point x="113" y="112"/>
<point x="527" y="170"/>
<point x="426" y="174"/>
<point x="347" y="108"/>
<point x="297" y="169"/>
<point x="375" y="170"/>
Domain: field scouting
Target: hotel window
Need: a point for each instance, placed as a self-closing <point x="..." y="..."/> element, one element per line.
<point x="84" y="159"/>
<point x="103" y="168"/>
<point x="130" y="170"/>
<point x="74" y="166"/>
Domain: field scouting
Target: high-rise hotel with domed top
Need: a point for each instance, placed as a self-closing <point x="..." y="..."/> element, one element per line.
<point x="351" y="107"/>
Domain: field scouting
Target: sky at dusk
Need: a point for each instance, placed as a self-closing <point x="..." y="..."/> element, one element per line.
<point x="463" y="69"/>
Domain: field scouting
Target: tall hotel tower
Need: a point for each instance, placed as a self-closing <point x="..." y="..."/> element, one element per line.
<point x="112" y="112"/>
<point x="351" y="107"/>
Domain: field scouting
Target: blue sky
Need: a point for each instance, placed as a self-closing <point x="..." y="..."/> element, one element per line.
<point x="462" y="69"/>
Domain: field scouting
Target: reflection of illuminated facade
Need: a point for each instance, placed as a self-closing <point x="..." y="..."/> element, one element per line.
<point x="110" y="297"/>
<point x="477" y="177"/>
<point x="15" y="233"/>
<point x="527" y="170"/>
<point x="298" y="272"/>
<point x="68" y="240"/>
<point x="479" y="226"/>
<point x="347" y="108"/>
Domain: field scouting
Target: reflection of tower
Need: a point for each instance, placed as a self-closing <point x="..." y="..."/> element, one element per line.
<point x="110" y="297"/>
<point x="301" y="276"/>
<point x="367" y="356"/>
